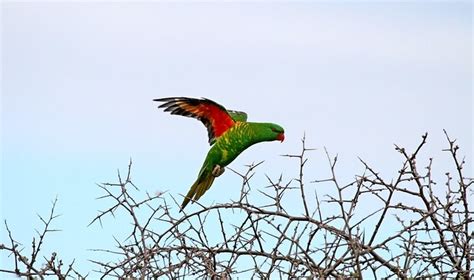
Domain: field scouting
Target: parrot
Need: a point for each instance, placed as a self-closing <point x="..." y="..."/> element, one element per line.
<point x="229" y="135"/>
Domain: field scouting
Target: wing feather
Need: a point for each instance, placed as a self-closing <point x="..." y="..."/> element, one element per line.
<point x="213" y="115"/>
<point x="238" y="116"/>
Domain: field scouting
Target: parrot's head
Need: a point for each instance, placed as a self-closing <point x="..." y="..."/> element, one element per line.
<point x="263" y="132"/>
<point x="275" y="132"/>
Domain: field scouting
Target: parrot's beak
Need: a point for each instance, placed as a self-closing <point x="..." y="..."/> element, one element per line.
<point x="281" y="137"/>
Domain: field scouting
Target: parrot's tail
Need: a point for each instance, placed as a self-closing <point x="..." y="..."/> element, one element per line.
<point x="202" y="184"/>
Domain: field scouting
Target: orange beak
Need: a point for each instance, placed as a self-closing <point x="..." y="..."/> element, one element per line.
<point x="281" y="137"/>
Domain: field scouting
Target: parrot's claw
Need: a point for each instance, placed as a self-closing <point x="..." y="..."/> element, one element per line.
<point x="217" y="171"/>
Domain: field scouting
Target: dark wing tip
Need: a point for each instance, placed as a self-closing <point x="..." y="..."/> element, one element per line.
<point x="193" y="101"/>
<point x="168" y="102"/>
<point x="167" y="99"/>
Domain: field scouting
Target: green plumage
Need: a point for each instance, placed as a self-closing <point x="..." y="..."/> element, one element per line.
<point x="227" y="147"/>
<point x="238" y="116"/>
<point x="229" y="134"/>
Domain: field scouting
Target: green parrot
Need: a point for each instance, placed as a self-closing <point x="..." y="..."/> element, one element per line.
<point x="229" y="135"/>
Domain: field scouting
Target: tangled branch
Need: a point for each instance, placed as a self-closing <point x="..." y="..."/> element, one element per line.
<point x="415" y="232"/>
<point x="29" y="267"/>
<point x="407" y="226"/>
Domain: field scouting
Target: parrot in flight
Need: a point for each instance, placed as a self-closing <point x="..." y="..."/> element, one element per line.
<point x="229" y="135"/>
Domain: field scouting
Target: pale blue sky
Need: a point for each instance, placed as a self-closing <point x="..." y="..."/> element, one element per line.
<point x="78" y="80"/>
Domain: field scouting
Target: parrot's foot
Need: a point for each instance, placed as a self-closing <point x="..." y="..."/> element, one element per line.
<point x="218" y="170"/>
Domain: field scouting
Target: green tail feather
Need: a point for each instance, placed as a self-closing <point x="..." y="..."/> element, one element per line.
<point x="202" y="184"/>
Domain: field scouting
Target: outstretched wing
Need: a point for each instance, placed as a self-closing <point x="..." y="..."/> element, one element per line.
<point x="214" y="116"/>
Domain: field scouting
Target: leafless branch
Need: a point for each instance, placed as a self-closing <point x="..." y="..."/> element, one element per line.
<point x="368" y="226"/>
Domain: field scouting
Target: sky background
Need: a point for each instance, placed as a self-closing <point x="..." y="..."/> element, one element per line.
<point x="78" y="81"/>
